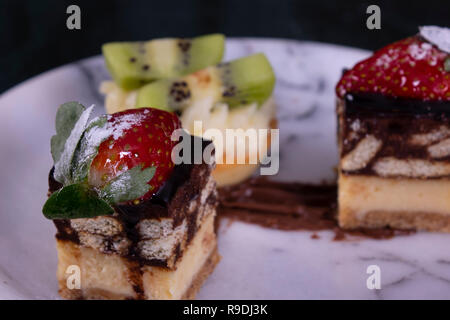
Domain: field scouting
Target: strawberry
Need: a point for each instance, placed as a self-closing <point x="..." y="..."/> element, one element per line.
<point x="140" y="137"/>
<point x="410" y="68"/>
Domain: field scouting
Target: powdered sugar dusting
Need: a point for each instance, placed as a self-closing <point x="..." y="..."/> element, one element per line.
<point x="97" y="132"/>
<point x="420" y="51"/>
<point x="62" y="167"/>
<point x="121" y="185"/>
<point x="438" y="36"/>
<point x="130" y="185"/>
<point x="126" y="122"/>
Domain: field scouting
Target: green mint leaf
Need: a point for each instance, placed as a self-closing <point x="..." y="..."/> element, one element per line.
<point x="130" y="185"/>
<point x="95" y="133"/>
<point x="447" y="64"/>
<point x="66" y="117"/>
<point x="75" y="201"/>
<point x="63" y="165"/>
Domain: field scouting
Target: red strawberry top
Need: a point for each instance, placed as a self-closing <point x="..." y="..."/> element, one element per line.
<point x="410" y="68"/>
<point x="140" y="137"/>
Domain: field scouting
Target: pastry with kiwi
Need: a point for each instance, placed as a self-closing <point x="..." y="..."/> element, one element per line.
<point x="197" y="86"/>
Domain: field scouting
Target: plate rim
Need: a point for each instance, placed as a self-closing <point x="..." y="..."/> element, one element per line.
<point x="280" y="41"/>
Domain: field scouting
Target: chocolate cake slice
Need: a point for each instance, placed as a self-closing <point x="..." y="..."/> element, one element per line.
<point x="160" y="245"/>
<point x="394" y="138"/>
<point x="161" y="250"/>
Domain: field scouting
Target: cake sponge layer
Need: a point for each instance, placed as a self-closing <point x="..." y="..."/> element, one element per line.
<point x="110" y="276"/>
<point x="370" y="201"/>
<point x="156" y="241"/>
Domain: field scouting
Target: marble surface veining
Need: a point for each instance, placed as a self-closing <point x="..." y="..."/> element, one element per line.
<point x="257" y="263"/>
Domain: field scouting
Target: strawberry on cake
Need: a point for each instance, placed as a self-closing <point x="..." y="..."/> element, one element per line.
<point x="394" y="136"/>
<point x="137" y="225"/>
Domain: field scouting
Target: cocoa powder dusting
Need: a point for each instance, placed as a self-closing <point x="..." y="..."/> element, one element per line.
<point x="291" y="206"/>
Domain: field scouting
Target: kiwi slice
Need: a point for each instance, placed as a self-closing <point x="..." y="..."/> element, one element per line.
<point x="133" y="64"/>
<point x="241" y="81"/>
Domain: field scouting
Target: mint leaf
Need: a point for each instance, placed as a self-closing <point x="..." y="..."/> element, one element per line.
<point x="80" y="201"/>
<point x="95" y="133"/>
<point x="447" y="64"/>
<point x="130" y="185"/>
<point x="66" y="117"/>
<point x="63" y="165"/>
<point x="75" y="201"/>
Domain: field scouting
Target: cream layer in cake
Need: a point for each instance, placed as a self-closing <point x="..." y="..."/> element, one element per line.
<point x="371" y="201"/>
<point x="110" y="276"/>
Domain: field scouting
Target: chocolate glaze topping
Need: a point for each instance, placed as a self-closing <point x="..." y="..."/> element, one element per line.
<point x="290" y="206"/>
<point x="380" y="105"/>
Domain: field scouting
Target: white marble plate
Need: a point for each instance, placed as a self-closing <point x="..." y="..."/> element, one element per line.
<point x="257" y="263"/>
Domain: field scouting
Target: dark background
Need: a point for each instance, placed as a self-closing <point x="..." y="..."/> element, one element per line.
<point x="35" y="38"/>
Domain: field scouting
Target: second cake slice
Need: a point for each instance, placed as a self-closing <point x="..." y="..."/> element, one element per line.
<point x="394" y="139"/>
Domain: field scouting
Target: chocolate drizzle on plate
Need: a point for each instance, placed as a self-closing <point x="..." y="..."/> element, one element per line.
<point x="291" y="206"/>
